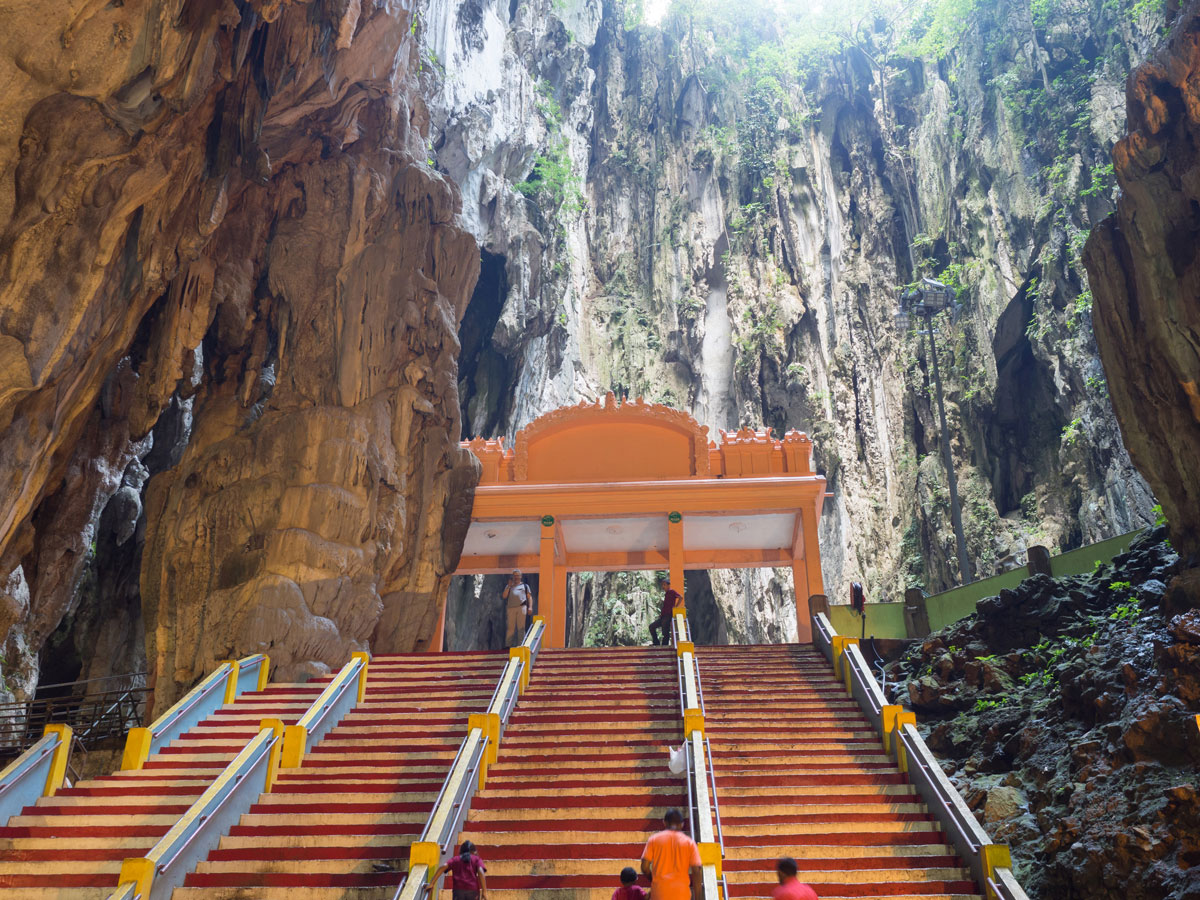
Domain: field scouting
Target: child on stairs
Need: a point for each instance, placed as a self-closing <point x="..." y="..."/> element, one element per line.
<point x="628" y="889"/>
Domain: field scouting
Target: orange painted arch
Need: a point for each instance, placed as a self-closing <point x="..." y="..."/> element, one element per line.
<point x="612" y="486"/>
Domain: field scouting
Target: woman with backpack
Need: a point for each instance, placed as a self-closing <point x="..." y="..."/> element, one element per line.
<point x="466" y="870"/>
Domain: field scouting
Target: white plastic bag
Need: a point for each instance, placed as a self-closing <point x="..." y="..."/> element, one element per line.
<point x="678" y="761"/>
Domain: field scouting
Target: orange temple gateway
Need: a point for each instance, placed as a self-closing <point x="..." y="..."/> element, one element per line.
<point x="612" y="486"/>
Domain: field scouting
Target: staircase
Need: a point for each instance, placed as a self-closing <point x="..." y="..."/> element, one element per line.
<point x="800" y="773"/>
<point x="582" y="779"/>
<point x="70" y="846"/>
<point x="341" y="825"/>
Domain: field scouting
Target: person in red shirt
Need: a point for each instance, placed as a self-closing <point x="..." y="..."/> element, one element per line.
<point x="662" y="625"/>
<point x="629" y="889"/>
<point x="790" y="887"/>
<point x="467" y="881"/>
<point x="672" y="860"/>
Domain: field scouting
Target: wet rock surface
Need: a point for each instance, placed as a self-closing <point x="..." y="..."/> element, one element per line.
<point x="1065" y="711"/>
<point x="1143" y="264"/>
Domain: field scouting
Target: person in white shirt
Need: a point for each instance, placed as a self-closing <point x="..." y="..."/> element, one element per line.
<point x="519" y="601"/>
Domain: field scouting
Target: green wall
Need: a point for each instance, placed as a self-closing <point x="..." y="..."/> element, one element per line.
<point x="886" y="620"/>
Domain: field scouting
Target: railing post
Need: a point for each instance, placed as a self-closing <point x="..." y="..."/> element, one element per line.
<point x="231" y="680"/>
<point x="525" y="655"/>
<point x="839" y="650"/>
<point x="362" y="675"/>
<point x="994" y="856"/>
<point x="276" y="726"/>
<point x="710" y="855"/>
<point x="137" y="749"/>
<point x="62" y="753"/>
<point x="425" y="853"/>
<point x="489" y="724"/>
<point x="894" y="717"/>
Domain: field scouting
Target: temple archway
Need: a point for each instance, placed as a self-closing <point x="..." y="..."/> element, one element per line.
<point x="632" y="486"/>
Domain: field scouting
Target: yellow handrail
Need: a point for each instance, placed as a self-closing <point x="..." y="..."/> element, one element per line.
<point x="295" y="737"/>
<point x="38" y="772"/>
<point x="990" y="862"/>
<point x="141" y="742"/>
<point x="693" y="730"/>
<point x="425" y="855"/>
<point x="141" y="871"/>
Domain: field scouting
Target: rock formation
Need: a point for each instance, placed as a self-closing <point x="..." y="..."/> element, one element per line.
<point x="219" y="217"/>
<point x="1065" y="711"/>
<point x="718" y="215"/>
<point x="1145" y="270"/>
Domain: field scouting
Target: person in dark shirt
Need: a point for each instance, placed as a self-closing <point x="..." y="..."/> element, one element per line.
<point x="660" y="628"/>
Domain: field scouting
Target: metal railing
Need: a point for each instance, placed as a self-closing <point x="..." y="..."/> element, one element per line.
<point x="95" y="709"/>
<point x="342" y="694"/>
<point x="990" y="863"/>
<point x="252" y="772"/>
<point x="863" y="686"/>
<point x="453" y="804"/>
<point x="249" y="775"/>
<point x="219" y="687"/>
<point x="469" y="770"/>
<point x="38" y="772"/>
<point x="703" y="806"/>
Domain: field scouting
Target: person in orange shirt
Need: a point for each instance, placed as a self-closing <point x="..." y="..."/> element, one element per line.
<point x="672" y="860"/>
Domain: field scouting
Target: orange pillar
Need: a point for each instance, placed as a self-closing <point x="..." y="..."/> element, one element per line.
<point x="806" y="572"/>
<point x="675" y="551"/>
<point x="552" y="580"/>
<point x="558" y="633"/>
<point x="548" y="604"/>
<point x="436" y="640"/>
<point x="803" y="620"/>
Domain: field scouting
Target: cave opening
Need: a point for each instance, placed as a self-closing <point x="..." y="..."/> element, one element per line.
<point x="1025" y="416"/>
<point x="484" y="373"/>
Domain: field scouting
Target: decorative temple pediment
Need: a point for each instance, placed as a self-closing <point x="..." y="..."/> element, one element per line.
<point x="613" y="441"/>
<point x="610" y="440"/>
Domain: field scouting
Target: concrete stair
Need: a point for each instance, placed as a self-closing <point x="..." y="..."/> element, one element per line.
<point x="580" y="783"/>
<point x="582" y="777"/>
<point x="800" y="773"/>
<point x="340" y="826"/>
<point x="70" y="846"/>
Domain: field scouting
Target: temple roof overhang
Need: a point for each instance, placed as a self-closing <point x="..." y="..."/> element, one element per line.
<point x="605" y="481"/>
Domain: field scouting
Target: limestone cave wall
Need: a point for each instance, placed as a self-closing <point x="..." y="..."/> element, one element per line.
<point x="1143" y="262"/>
<point x="720" y="215"/>
<point x="229" y="305"/>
